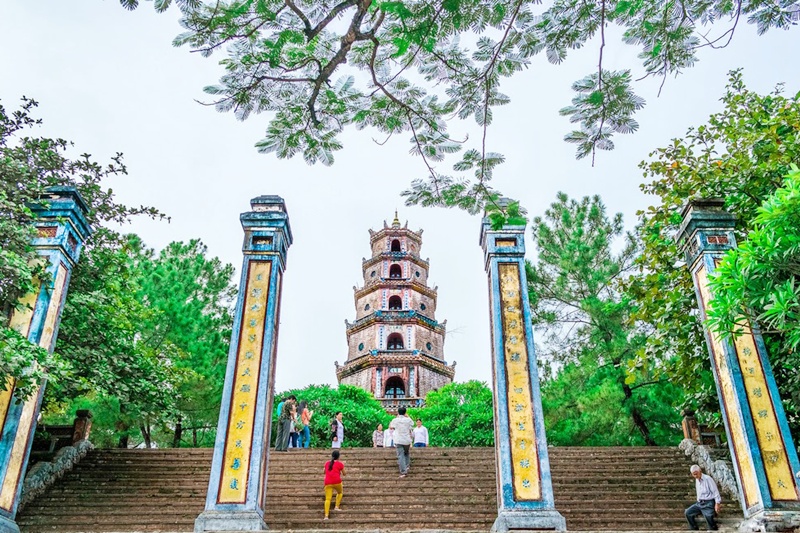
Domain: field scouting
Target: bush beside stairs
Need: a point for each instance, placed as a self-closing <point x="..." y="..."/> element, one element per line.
<point x="619" y="489"/>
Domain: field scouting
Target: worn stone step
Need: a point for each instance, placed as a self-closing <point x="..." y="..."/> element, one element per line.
<point x="607" y="488"/>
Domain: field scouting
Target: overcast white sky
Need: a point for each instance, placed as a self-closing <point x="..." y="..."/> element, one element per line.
<point x="109" y="80"/>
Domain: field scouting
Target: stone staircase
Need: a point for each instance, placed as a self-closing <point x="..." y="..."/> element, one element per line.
<point x="619" y="489"/>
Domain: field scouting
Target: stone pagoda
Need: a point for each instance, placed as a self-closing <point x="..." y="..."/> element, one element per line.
<point x="395" y="347"/>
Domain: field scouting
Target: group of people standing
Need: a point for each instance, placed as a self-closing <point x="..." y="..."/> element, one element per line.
<point x="385" y="439"/>
<point x="293" y="421"/>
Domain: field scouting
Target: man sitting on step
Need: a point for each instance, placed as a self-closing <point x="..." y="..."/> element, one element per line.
<point x="708" y="500"/>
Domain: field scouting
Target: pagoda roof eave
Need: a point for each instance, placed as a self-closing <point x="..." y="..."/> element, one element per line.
<point x="381" y="357"/>
<point x="396" y="317"/>
<point x="388" y="283"/>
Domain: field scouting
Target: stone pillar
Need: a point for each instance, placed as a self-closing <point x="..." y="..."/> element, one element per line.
<point x="691" y="429"/>
<point x="764" y="457"/>
<point x="524" y="488"/>
<point x="82" y="425"/>
<point x="237" y="487"/>
<point x="61" y="230"/>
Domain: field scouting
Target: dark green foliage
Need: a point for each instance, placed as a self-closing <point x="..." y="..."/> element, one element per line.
<point x="458" y="414"/>
<point x="594" y="390"/>
<point x="360" y="410"/>
<point x="28" y="165"/>
<point x="147" y="336"/>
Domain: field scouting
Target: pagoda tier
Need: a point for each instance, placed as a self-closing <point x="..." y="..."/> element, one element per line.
<point x="395" y="347"/>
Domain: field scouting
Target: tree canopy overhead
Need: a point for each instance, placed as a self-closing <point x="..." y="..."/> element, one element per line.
<point x="411" y="66"/>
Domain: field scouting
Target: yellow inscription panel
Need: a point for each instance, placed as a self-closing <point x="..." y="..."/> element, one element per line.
<point x="239" y="439"/>
<point x="51" y="319"/>
<point x="8" y="491"/>
<point x="776" y="462"/>
<point x="23" y="315"/>
<point x="524" y="454"/>
<point x="6" y="395"/>
<point x="744" y="461"/>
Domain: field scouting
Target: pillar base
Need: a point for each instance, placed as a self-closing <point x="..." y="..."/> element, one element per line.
<point x="529" y="520"/>
<point x="209" y="521"/>
<point x="765" y="521"/>
<point x="8" y="526"/>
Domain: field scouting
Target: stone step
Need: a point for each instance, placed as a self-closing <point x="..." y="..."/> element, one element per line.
<point x="317" y="464"/>
<point x="602" y="489"/>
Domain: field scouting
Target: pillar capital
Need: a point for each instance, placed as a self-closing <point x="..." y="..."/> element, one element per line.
<point x="266" y="228"/>
<point x="506" y="243"/>
<point x="706" y="227"/>
<point x="60" y="222"/>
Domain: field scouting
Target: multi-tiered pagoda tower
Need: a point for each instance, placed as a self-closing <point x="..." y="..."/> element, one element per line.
<point x="395" y="348"/>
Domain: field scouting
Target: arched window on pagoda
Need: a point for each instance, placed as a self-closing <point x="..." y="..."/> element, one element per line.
<point x="396" y="246"/>
<point x="395" y="388"/>
<point x="395" y="272"/>
<point x="394" y="342"/>
<point x="395" y="303"/>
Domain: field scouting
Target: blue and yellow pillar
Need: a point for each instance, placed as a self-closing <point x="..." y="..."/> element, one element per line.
<point x="764" y="456"/>
<point x="237" y="487"/>
<point x="524" y="487"/>
<point x="61" y="229"/>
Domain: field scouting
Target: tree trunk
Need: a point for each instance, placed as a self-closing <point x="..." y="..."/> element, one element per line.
<point x="122" y="427"/>
<point x="194" y="437"/>
<point x="638" y="419"/>
<point x="146" y="434"/>
<point x="176" y="439"/>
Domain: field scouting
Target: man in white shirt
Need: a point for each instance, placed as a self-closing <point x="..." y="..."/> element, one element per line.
<point x="708" y="500"/>
<point x="403" y="437"/>
<point x="420" y="435"/>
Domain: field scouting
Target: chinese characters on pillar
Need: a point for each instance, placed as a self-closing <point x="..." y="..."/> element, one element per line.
<point x="233" y="484"/>
<point x="21" y="322"/>
<point x="768" y="434"/>
<point x="522" y="433"/>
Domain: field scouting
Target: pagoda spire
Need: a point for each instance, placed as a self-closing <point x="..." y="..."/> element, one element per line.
<point x="396" y="221"/>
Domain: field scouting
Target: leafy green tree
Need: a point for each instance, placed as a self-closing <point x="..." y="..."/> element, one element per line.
<point x="591" y="341"/>
<point x="101" y="337"/>
<point x="191" y="297"/>
<point x="459" y="414"/>
<point x="581" y="403"/>
<point x="146" y="335"/>
<point x="759" y="277"/>
<point x="742" y="154"/>
<point x="28" y="165"/>
<point x="410" y="66"/>
<point x="361" y="414"/>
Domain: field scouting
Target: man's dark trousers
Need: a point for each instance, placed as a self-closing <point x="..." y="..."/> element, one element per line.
<point x="704" y="507"/>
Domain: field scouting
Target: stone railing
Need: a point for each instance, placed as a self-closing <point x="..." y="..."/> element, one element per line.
<point x="45" y="473"/>
<point x="721" y="471"/>
<point x="63" y="446"/>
